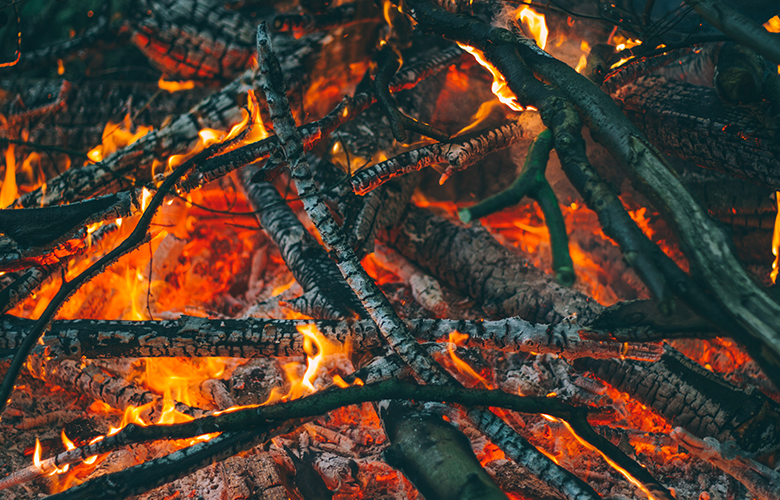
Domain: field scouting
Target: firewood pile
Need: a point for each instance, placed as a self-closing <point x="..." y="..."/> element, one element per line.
<point x="398" y="249"/>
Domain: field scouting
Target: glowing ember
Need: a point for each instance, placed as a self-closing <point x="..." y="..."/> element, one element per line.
<point x="536" y="24"/>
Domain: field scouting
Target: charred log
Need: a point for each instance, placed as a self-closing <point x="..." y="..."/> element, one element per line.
<point x="696" y="399"/>
<point x="470" y="260"/>
<point x="255" y="338"/>
<point x="692" y="122"/>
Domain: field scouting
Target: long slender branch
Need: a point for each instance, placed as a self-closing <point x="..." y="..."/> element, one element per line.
<point x="261" y="419"/>
<point x="253" y="338"/>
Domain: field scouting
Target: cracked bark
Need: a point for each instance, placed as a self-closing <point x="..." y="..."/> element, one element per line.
<point x="470" y="260"/>
<point x="389" y="324"/>
<point x="689" y="396"/>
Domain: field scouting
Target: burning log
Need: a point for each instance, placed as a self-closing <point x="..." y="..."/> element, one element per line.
<point x="340" y="16"/>
<point x="759" y="479"/>
<point x="696" y="399"/>
<point x="255" y="338"/>
<point x="313" y="133"/>
<point x="472" y="261"/>
<point x="326" y="295"/>
<point x="691" y="122"/>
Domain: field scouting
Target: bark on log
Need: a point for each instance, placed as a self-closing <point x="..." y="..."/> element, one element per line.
<point x="470" y="260"/>
<point x="254" y="338"/>
<point x="696" y="399"/>
<point x="434" y="455"/>
<point x="326" y="294"/>
<point x="692" y="123"/>
<point x="190" y="39"/>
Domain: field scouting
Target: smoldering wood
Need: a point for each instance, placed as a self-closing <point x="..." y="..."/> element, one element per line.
<point x="434" y="455"/>
<point x="469" y="259"/>
<point x="130" y="164"/>
<point x="26" y="284"/>
<point x="113" y="390"/>
<point x="339" y="16"/>
<point x="189" y="39"/>
<point x="692" y="123"/>
<point x="79" y="125"/>
<point x="254" y="337"/>
<point x="458" y="154"/>
<point x="759" y="479"/>
<point x="696" y="399"/>
<point x="428" y="64"/>
<point x="326" y="294"/>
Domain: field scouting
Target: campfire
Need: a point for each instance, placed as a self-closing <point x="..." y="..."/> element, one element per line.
<point x="390" y="250"/>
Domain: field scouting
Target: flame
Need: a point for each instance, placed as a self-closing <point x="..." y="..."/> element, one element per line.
<point x="773" y="26"/>
<point x="455" y="339"/>
<point x="69" y="445"/>
<point x="776" y="242"/>
<point x="500" y="87"/>
<point x="37" y="455"/>
<point x="585" y="48"/>
<point x="480" y="116"/>
<point x="282" y="288"/>
<point x="175" y="86"/>
<point x="9" y="191"/>
<point x="321" y="353"/>
<point x="60" y="67"/>
<point x="536" y="24"/>
<point x="117" y="136"/>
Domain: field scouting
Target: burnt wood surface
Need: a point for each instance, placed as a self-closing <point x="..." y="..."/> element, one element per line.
<point x="692" y="123"/>
<point x="471" y="260"/>
<point x="696" y="399"/>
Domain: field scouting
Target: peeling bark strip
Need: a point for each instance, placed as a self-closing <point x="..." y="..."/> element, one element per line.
<point x="459" y="154"/>
<point x="692" y="123"/>
<point x="759" y="479"/>
<point x="326" y="295"/>
<point x="253" y="338"/>
<point x="469" y="259"/>
<point x="389" y="324"/>
<point x="313" y="133"/>
<point x="696" y="399"/>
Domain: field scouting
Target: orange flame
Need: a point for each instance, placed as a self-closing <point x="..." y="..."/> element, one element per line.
<point x="500" y="87"/>
<point x="172" y="86"/>
<point x="536" y="24"/>
<point x="455" y="339"/>
<point x="117" y="136"/>
<point x="9" y="191"/>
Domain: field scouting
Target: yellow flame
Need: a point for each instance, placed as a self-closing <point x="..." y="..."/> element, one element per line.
<point x="37" y="455"/>
<point x="500" y="87"/>
<point x="172" y="86"/>
<point x="536" y="24"/>
<point x="9" y="191"/>
<point x="69" y="445"/>
<point x="60" y="67"/>
<point x="482" y="113"/>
